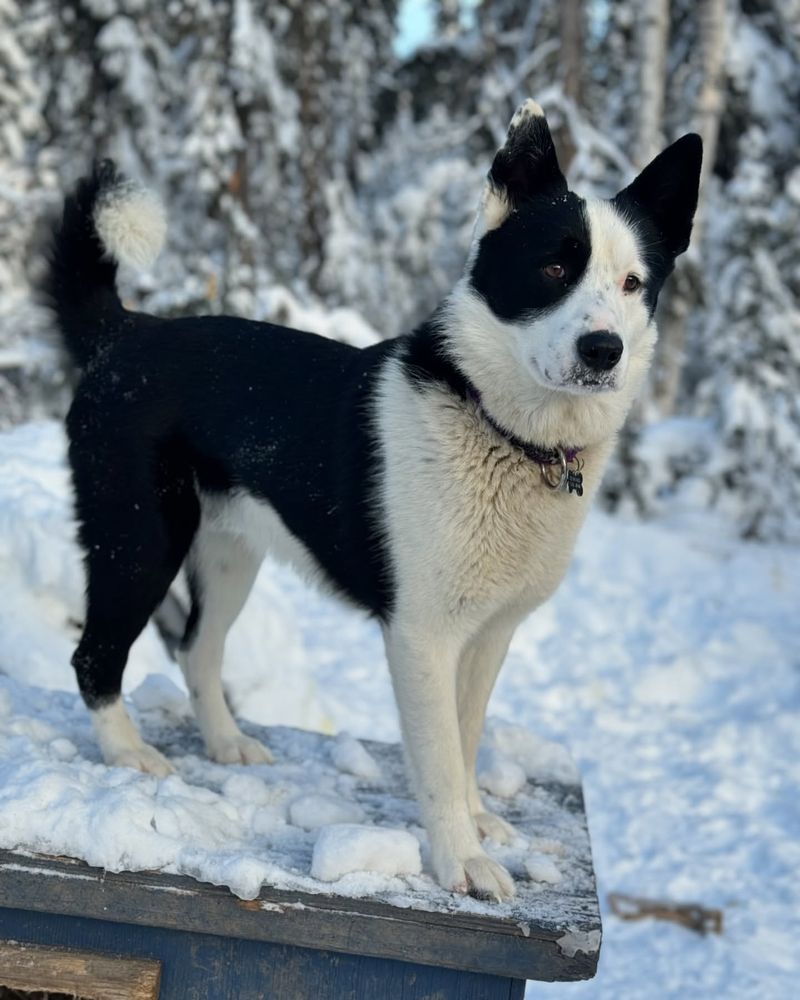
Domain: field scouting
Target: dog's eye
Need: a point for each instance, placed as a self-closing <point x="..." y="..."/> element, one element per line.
<point x="555" y="270"/>
<point x="632" y="283"/>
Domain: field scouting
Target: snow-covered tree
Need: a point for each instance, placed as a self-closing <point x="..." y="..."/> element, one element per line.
<point x="750" y="341"/>
<point x="31" y="379"/>
<point x="313" y="177"/>
<point x="732" y="442"/>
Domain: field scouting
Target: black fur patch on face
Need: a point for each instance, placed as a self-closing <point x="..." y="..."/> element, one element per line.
<point x="660" y="205"/>
<point x="509" y="267"/>
<point x="656" y="257"/>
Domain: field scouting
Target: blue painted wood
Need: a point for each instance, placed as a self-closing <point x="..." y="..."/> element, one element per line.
<point x="209" y="967"/>
<point x="479" y="943"/>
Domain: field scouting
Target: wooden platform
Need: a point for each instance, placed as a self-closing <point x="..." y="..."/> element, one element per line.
<point x="204" y="943"/>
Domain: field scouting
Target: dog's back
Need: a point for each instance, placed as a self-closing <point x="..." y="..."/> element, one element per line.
<point x="183" y="430"/>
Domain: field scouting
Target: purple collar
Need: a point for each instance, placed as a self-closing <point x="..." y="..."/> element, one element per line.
<point x="566" y="480"/>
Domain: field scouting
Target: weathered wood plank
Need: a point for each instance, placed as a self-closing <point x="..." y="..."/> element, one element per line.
<point x="209" y="967"/>
<point x="457" y="941"/>
<point x="30" y="967"/>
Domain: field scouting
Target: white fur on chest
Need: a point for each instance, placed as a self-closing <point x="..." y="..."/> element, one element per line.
<point x="474" y="532"/>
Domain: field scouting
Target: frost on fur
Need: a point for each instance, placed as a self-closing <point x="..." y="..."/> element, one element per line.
<point x="131" y="224"/>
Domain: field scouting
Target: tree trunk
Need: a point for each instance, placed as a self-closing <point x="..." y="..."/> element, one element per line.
<point x="571" y="60"/>
<point x="710" y="99"/>
<point x="687" y="288"/>
<point x="654" y="40"/>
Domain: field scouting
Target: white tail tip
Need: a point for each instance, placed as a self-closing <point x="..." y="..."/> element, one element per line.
<point x="528" y="109"/>
<point x="131" y="224"/>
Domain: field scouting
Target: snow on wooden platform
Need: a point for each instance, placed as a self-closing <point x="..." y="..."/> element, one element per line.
<point x="236" y="827"/>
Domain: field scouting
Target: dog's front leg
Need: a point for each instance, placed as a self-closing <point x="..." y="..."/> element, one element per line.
<point x="477" y="673"/>
<point x="424" y="667"/>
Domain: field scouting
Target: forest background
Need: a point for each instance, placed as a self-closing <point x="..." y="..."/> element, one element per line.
<point x="321" y="165"/>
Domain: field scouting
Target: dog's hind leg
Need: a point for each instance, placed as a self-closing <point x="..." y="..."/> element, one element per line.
<point x="424" y="666"/>
<point x="222" y="568"/>
<point x="137" y="512"/>
<point x="477" y="673"/>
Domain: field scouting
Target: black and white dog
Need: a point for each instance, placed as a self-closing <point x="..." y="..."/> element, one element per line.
<point x="433" y="480"/>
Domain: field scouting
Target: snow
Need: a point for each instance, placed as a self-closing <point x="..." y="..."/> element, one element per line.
<point x="315" y="810"/>
<point x="538" y="758"/>
<point x="498" y="774"/>
<point x="351" y="757"/>
<point x="300" y="824"/>
<point x="345" y="848"/>
<point x="542" y="868"/>
<point x="668" y="661"/>
<point x="667" y="664"/>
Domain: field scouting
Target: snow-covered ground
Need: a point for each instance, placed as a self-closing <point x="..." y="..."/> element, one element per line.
<point x="668" y="663"/>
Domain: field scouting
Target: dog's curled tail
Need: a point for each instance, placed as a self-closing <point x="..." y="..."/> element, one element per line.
<point x="106" y="220"/>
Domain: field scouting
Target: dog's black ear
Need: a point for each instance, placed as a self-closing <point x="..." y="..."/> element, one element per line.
<point x="666" y="192"/>
<point x="527" y="164"/>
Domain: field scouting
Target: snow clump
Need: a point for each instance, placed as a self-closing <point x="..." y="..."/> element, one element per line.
<point x="352" y="757"/>
<point x="347" y="847"/>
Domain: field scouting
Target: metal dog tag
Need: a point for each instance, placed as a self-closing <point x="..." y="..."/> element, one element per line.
<point x="565" y="480"/>
<point x="575" y="481"/>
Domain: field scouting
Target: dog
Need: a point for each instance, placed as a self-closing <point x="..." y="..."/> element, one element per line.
<point x="437" y="480"/>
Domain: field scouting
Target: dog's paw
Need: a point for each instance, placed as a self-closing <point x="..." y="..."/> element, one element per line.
<point x="240" y="749"/>
<point x="494" y="828"/>
<point x="478" y="876"/>
<point x="486" y="879"/>
<point x="143" y="758"/>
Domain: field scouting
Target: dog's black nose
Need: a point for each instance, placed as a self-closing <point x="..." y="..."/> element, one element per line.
<point x="600" y="351"/>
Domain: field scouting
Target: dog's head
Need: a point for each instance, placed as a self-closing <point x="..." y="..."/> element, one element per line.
<point x="559" y="293"/>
